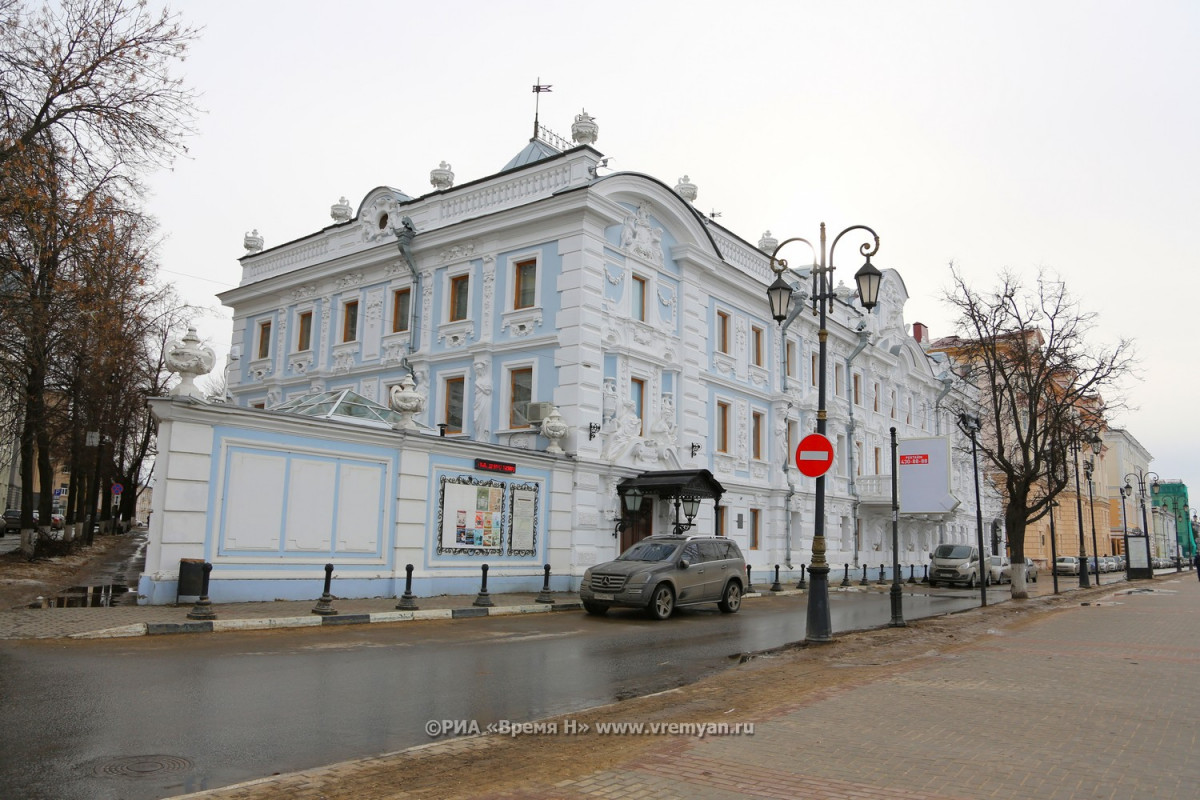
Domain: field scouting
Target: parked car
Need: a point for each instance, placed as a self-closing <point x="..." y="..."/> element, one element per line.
<point x="1031" y="570"/>
<point x="1110" y="564"/>
<point x="12" y="519"/>
<point x="661" y="573"/>
<point x="999" y="569"/>
<point x="1066" y="565"/>
<point x="953" y="564"/>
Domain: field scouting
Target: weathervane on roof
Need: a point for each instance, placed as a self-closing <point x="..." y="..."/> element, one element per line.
<point x="538" y="88"/>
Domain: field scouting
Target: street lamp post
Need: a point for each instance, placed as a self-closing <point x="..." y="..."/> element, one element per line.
<point x="819" y="627"/>
<point x="1089" y="468"/>
<point x="1140" y="477"/>
<point x="897" y="599"/>
<point x="1125" y="492"/>
<point x="970" y="425"/>
<point x="1084" y="583"/>
<point x="1053" y="547"/>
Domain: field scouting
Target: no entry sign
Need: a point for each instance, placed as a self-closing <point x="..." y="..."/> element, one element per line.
<point x="814" y="455"/>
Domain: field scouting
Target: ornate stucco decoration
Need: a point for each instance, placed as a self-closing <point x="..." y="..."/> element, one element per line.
<point x="613" y="274"/>
<point x="303" y="292"/>
<point x="686" y="189"/>
<point x="300" y="365"/>
<point x="554" y="428"/>
<point x="585" y="130"/>
<point x="456" y="334"/>
<point x="640" y="238"/>
<point x="442" y="177"/>
<point x="376" y="220"/>
<point x="253" y="242"/>
<point x="405" y="401"/>
<point x="341" y="210"/>
<point x="458" y="252"/>
<point x="190" y="359"/>
<point x="522" y="323"/>
<point x="343" y="360"/>
<point x="395" y="351"/>
<point x="348" y="280"/>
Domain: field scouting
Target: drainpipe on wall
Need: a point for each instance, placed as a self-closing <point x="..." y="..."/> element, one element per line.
<point x="404" y="238"/>
<point x="864" y="338"/>
<point x="801" y="295"/>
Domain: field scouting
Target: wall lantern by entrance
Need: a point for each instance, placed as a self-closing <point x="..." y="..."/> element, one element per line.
<point x="632" y="501"/>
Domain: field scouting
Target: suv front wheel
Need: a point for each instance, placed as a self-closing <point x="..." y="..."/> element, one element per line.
<point x="731" y="600"/>
<point x="595" y="609"/>
<point x="662" y="602"/>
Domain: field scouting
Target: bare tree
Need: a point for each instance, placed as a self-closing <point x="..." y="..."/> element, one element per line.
<point x="1041" y="383"/>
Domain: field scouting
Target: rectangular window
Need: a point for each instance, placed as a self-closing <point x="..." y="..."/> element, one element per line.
<point x="878" y="461"/>
<point x="304" y="331"/>
<point x="350" y="321"/>
<point x="792" y="440"/>
<point x="719" y="521"/>
<point x="839" y="380"/>
<point x="857" y="389"/>
<point x="637" y="307"/>
<point x="520" y="388"/>
<point x="790" y="357"/>
<point x="756" y="346"/>
<point x="401" y="308"/>
<point x="756" y="434"/>
<point x="876" y="401"/>
<point x="525" y="284"/>
<point x="754" y="529"/>
<point x="637" y="394"/>
<point x="722" y="427"/>
<point x="264" y="339"/>
<point x="459" y="289"/>
<point x="722" y="332"/>
<point x="453" y="412"/>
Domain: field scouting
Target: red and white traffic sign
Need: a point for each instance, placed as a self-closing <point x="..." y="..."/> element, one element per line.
<point x="814" y="455"/>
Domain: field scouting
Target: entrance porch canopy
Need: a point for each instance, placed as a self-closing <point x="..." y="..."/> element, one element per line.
<point x="674" y="484"/>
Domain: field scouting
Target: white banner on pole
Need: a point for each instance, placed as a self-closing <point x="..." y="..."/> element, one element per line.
<point x="924" y="476"/>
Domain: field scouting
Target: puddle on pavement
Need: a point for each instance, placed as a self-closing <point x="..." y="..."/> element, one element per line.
<point x="103" y="596"/>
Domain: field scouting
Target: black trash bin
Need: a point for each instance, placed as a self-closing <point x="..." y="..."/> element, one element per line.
<point x="191" y="580"/>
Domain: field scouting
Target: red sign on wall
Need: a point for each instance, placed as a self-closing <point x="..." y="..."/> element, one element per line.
<point x="922" y="458"/>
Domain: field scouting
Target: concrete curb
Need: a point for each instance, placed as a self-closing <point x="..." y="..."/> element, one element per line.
<point x="270" y="623"/>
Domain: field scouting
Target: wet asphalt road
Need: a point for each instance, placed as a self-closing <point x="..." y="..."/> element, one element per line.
<point x="141" y="719"/>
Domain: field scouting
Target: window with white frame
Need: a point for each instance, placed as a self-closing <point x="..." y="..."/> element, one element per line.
<point x="520" y="395"/>
<point x="401" y="309"/>
<point x="304" y="331"/>
<point x="459" y="306"/>
<point x="757" y="431"/>
<point x="350" y="321"/>
<point x="524" y="283"/>
<point x="264" y="339"/>
<point x="452" y="403"/>
<point x="637" y="302"/>
<point x="722" y="424"/>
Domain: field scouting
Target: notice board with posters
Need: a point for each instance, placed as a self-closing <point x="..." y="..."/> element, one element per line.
<point x="924" y="475"/>
<point x="487" y="516"/>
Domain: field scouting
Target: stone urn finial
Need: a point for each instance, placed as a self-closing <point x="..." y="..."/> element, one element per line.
<point x="768" y="243"/>
<point x="585" y="130"/>
<point x="253" y="242"/>
<point x="341" y="210"/>
<point x="442" y="177"/>
<point x="554" y="428"/>
<point x="406" y="401"/>
<point x="686" y="189"/>
<point x="190" y="359"/>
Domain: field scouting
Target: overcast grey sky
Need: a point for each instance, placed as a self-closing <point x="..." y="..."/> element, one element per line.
<point x="1000" y="135"/>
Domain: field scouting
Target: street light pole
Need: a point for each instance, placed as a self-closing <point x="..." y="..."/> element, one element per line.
<point x="1084" y="583"/>
<point x="1089" y="469"/>
<point x="970" y="424"/>
<point x="897" y="599"/>
<point x="819" y="629"/>
<point x="1140" y="477"/>
<point x="1053" y="547"/>
<point x="1125" y="492"/>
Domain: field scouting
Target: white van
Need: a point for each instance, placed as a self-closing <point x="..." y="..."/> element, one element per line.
<point x="954" y="564"/>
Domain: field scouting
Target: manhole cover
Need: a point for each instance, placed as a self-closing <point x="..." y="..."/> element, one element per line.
<point x="141" y="766"/>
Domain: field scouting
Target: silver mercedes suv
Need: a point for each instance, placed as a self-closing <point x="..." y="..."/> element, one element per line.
<point x="660" y="573"/>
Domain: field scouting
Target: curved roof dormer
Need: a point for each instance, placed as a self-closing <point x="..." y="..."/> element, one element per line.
<point x="650" y="197"/>
<point x="380" y="211"/>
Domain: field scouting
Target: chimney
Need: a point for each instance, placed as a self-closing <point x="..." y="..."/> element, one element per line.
<point x="920" y="333"/>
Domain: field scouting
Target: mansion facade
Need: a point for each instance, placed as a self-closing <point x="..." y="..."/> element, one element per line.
<point x="542" y="336"/>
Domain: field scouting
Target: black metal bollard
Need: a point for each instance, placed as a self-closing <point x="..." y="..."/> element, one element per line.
<point x="483" y="599"/>
<point x="864" y="581"/>
<point x="802" y="583"/>
<point x="324" y="606"/>
<point x="407" y="601"/>
<point x="545" y="596"/>
<point x="749" y="584"/>
<point x="926" y="578"/>
<point x="912" y="573"/>
<point x="846" y="575"/>
<point x="776" y="586"/>
<point x="203" y="607"/>
<point x="881" y="580"/>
